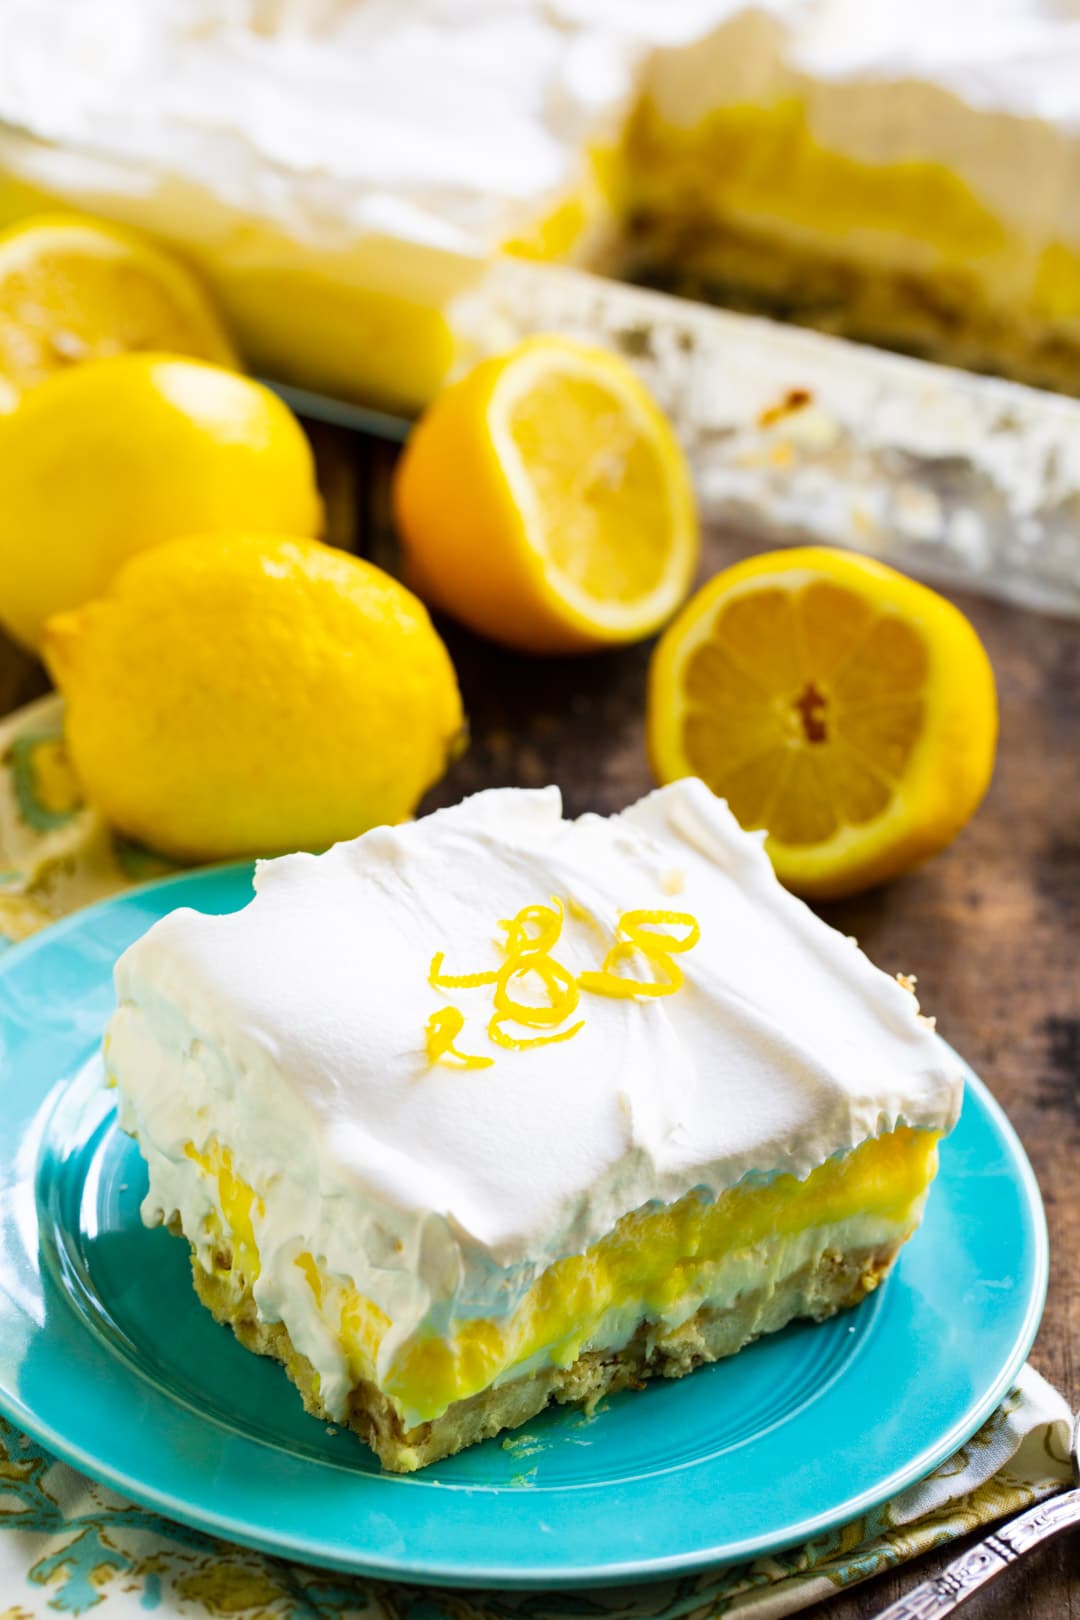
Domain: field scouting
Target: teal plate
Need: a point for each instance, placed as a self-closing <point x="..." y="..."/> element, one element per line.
<point x="107" y="1358"/>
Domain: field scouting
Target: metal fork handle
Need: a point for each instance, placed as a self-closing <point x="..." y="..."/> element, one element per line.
<point x="945" y="1592"/>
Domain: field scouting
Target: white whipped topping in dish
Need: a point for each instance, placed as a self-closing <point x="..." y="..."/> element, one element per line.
<point x="449" y="122"/>
<point x="294" y="1033"/>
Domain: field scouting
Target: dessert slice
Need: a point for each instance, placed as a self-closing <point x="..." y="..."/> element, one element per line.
<point x="495" y="1109"/>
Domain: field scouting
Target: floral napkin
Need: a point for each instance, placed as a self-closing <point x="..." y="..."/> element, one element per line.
<point x="68" y="1546"/>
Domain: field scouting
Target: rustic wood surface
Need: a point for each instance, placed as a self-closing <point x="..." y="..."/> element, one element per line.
<point x="991" y="927"/>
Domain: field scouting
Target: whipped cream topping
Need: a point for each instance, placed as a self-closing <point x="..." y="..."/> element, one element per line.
<point x="449" y="122"/>
<point x="293" y="1032"/>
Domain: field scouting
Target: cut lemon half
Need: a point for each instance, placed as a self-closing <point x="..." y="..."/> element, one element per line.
<point x="845" y="709"/>
<point x="544" y="501"/>
<point x="73" y="289"/>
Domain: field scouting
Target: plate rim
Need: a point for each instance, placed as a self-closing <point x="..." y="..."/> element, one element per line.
<point x="298" y="1545"/>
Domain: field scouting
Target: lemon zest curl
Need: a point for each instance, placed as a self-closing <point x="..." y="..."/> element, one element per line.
<point x="531" y="936"/>
<point x="515" y="1043"/>
<point x="441" y="1031"/>
<point x="645" y="936"/>
<point x="456" y="981"/>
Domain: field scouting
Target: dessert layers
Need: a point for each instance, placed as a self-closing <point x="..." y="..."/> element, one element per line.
<point x="903" y="173"/>
<point x="496" y="1107"/>
<point x="343" y="170"/>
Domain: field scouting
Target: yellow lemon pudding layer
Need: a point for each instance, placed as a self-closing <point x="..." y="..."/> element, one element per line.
<point x="495" y="1109"/>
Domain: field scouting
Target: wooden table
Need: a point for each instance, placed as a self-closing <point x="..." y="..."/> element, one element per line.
<point x="991" y="928"/>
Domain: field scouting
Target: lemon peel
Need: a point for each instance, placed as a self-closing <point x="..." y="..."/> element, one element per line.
<point x="559" y="983"/>
<point x="545" y="501"/>
<point x="238" y="694"/>
<point x="440" y="1033"/>
<point x="456" y="981"/>
<point x="106" y="462"/>
<point x="642" y="939"/>
<point x="549" y="922"/>
<point x="74" y="289"/>
<point x="516" y="1043"/>
<point x="530" y="936"/>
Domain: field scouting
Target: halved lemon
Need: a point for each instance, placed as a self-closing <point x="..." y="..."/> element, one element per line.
<point x="74" y="289"/>
<point x="544" y="501"/>
<point x="845" y="709"/>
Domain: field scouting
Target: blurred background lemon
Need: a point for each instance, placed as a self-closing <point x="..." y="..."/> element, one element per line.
<point x="73" y="289"/>
<point x="113" y="457"/>
<point x="241" y="694"/>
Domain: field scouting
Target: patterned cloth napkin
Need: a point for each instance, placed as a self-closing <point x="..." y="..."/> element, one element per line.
<point x="70" y="1547"/>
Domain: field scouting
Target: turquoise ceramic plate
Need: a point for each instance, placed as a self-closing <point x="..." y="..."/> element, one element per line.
<point x="106" y="1357"/>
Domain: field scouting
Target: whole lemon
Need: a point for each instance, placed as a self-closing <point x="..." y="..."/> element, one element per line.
<point x="117" y="455"/>
<point x="245" y="694"/>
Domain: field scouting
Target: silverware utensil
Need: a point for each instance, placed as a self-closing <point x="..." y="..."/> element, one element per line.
<point x="945" y="1592"/>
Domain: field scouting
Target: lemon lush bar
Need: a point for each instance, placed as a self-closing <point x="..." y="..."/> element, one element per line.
<point x="496" y="1108"/>
<point x="343" y="175"/>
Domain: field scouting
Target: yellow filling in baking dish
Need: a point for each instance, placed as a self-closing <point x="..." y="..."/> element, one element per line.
<point x="764" y="160"/>
<point x="654" y="1264"/>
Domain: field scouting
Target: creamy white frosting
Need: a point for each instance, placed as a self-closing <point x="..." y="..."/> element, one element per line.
<point x="293" y="1033"/>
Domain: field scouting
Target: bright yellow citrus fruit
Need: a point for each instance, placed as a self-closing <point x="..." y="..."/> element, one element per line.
<point x="244" y="694"/>
<point x="108" y="459"/>
<point x="544" y="501"/>
<point x="830" y="700"/>
<point x="74" y="289"/>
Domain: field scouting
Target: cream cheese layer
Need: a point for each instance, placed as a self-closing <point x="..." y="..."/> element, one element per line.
<point x="293" y="1036"/>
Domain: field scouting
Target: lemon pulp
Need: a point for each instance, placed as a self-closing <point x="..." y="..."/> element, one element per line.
<point x="848" y="711"/>
<point x="75" y="289"/>
<point x="601" y="498"/>
<point x="804" y="708"/>
<point x="544" y="500"/>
